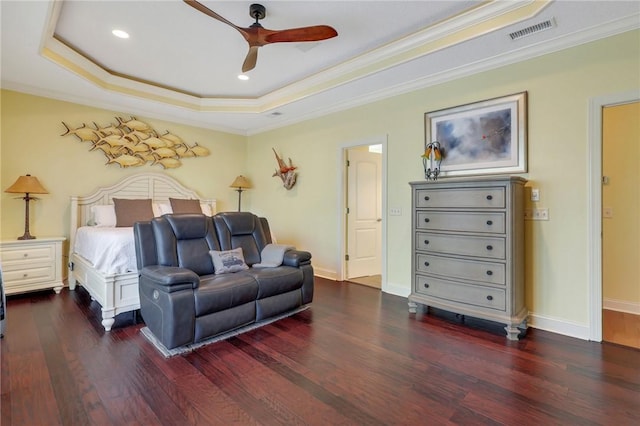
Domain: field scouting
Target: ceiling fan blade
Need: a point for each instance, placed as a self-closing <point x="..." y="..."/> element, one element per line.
<point x="204" y="9"/>
<point x="314" y="33"/>
<point x="251" y="59"/>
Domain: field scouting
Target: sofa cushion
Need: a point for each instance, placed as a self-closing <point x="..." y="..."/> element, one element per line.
<point x="273" y="281"/>
<point x="219" y="292"/>
<point x="225" y="262"/>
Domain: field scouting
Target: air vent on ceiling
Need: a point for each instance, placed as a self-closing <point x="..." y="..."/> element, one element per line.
<point x="541" y="26"/>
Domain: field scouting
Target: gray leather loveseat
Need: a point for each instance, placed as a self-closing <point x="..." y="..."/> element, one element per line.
<point x="182" y="298"/>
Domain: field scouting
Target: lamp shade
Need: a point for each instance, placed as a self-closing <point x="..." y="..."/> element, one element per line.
<point x="241" y="182"/>
<point x="27" y="184"/>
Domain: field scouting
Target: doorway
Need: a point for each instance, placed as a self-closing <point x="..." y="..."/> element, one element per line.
<point x="595" y="232"/>
<point x="621" y="224"/>
<point x="363" y="218"/>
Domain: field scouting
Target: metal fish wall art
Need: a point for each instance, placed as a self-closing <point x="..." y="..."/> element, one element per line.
<point x="133" y="143"/>
<point x="286" y="173"/>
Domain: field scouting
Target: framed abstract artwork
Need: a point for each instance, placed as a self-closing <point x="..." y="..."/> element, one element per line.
<point x="487" y="137"/>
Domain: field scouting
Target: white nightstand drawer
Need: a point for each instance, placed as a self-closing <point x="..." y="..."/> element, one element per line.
<point x="28" y="254"/>
<point x="24" y="276"/>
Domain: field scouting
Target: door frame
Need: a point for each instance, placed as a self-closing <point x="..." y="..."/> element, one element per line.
<point x="342" y="203"/>
<point x="594" y="218"/>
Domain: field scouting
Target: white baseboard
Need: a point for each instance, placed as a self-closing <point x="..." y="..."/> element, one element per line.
<point x="396" y="289"/>
<point x="325" y="273"/>
<point x="559" y="326"/>
<point x="621" y="306"/>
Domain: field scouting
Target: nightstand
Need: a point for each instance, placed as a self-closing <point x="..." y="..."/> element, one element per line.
<point x="32" y="264"/>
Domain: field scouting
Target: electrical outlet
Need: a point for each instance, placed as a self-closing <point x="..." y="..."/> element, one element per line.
<point x="540" y="214"/>
<point x="536" y="214"/>
<point x="395" y="211"/>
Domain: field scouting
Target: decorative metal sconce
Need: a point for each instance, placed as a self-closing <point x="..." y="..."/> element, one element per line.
<point x="431" y="160"/>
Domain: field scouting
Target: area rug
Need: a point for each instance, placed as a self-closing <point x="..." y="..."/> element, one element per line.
<point x="188" y="348"/>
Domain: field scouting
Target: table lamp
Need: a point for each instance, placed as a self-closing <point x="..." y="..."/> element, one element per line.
<point x="29" y="185"/>
<point x="240" y="183"/>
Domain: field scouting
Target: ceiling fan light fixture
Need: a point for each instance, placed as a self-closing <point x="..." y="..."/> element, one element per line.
<point x="120" y="33"/>
<point x="243" y="77"/>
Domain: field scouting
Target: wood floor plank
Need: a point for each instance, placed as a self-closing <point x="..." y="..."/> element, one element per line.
<point x="356" y="356"/>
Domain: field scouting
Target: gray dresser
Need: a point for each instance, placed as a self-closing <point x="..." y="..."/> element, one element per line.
<point x="468" y="248"/>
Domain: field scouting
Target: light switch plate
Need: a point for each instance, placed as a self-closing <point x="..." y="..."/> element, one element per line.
<point x="535" y="194"/>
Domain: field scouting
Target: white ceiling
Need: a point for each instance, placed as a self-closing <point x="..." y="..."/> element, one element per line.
<point x="181" y="65"/>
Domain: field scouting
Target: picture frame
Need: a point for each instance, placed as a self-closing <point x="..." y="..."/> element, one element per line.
<point x="486" y="137"/>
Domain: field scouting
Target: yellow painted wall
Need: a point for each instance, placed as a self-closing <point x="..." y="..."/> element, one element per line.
<point x="31" y="143"/>
<point x="559" y="87"/>
<point x="621" y="232"/>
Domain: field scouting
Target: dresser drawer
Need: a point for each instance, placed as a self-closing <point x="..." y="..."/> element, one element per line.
<point x="461" y="221"/>
<point x="486" y="272"/>
<point x="489" y="247"/>
<point x="485" y="297"/>
<point x="480" y="198"/>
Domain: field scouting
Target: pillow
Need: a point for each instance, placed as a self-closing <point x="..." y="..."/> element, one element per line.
<point x="104" y="216"/>
<point x="165" y="208"/>
<point x="157" y="210"/>
<point x="185" y="206"/>
<point x="206" y="209"/>
<point x="129" y="212"/>
<point x="225" y="262"/>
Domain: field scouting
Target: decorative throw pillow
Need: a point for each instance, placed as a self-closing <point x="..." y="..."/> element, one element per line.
<point x="129" y="212"/>
<point x="225" y="262"/>
<point x="104" y="216"/>
<point x="185" y="206"/>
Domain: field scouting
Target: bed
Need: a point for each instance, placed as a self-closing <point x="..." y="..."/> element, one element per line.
<point x="106" y="267"/>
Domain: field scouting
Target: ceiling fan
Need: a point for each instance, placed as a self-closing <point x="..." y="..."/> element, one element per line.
<point x="256" y="35"/>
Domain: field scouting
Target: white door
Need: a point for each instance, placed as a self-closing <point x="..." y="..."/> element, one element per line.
<point x="364" y="217"/>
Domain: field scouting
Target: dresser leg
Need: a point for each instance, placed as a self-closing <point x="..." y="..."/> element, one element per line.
<point x="512" y="332"/>
<point x="57" y="289"/>
<point x="413" y="307"/>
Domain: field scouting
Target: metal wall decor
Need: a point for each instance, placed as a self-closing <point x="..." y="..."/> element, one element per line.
<point x="286" y="173"/>
<point x="431" y="160"/>
<point x="133" y="143"/>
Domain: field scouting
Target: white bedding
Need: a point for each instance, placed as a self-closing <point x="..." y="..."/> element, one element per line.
<point x="110" y="250"/>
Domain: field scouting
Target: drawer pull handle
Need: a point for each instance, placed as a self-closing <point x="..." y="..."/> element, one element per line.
<point x="426" y="242"/>
<point x="426" y="285"/>
<point x="426" y="219"/>
<point x="426" y="198"/>
<point x="489" y="297"/>
<point x="489" y="197"/>
<point x="489" y="247"/>
<point x="26" y="255"/>
<point x="25" y="275"/>
<point x="489" y="222"/>
<point x="426" y="264"/>
<point x="489" y="273"/>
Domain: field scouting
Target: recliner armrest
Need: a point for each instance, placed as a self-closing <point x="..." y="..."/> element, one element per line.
<point x="296" y="258"/>
<point x="170" y="278"/>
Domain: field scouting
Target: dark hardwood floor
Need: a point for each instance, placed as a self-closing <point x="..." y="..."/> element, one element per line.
<point x="355" y="357"/>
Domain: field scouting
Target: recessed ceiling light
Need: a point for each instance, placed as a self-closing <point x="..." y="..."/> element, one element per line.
<point x="120" y="33"/>
<point x="243" y="77"/>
